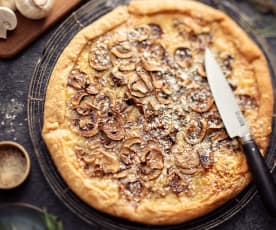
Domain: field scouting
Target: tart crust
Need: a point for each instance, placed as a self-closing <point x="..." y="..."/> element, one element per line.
<point x="103" y="194"/>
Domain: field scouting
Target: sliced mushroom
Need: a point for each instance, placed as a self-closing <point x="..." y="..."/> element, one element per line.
<point x="227" y="62"/>
<point x="206" y="155"/>
<point x="128" y="156"/>
<point x="99" y="58"/>
<point x="92" y="89"/>
<point x="129" y="150"/>
<point x="133" y="191"/>
<point x="127" y="64"/>
<point x="132" y="143"/>
<point x="140" y="33"/>
<point x="144" y="75"/>
<point x="87" y="125"/>
<point x="175" y="181"/>
<point x="118" y="78"/>
<point x="158" y="79"/>
<point x="153" y="58"/>
<point x="162" y="96"/>
<point x="137" y="86"/>
<point x="213" y="119"/>
<point x="220" y="140"/>
<point x="188" y="25"/>
<point x="106" y="142"/>
<point x="200" y="99"/>
<point x="247" y="102"/>
<point x="123" y="50"/>
<point x="153" y="158"/>
<point x="201" y="41"/>
<point x="78" y="79"/>
<point x="152" y="161"/>
<point x="104" y="101"/>
<point x="183" y="57"/>
<point x="113" y="127"/>
<point x="156" y="31"/>
<point x="86" y="109"/>
<point x="77" y="98"/>
<point x="194" y="129"/>
<point x="187" y="159"/>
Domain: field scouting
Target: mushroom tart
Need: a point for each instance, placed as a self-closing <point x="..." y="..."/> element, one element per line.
<point x="131" y="123"/>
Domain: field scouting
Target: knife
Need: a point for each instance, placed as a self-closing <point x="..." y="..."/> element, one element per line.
<point x="235" y="125"/>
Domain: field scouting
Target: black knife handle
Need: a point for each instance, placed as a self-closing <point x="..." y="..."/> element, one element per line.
<point x="261" y="176"/>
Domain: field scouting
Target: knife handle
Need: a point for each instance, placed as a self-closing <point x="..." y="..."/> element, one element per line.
<point x="261" y="176"/>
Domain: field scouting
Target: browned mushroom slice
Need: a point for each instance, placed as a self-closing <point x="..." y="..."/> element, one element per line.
<point x="122" y="50"/>
<point x="106" y="142"/>
<point x="183" y="57"/>
<point x="128" y="156"/>
<point x="78" y="79"/>
<point x="206" y="157"/>
<point x="213" y="119"/>
<point x="162" y="97"/>
<point x="118" y="78"/>
<point x="195" y="129"/>
<point x="188" y="160"/>
<point x="200" y="99"/>
<point x="113" y="127"/>
<point x="227" y="62"/>
<point x="154" y="158"/>
<point x="247" y="102"/>
<point x="201" y="41"/>
<point x="86" y="109"/>
<point x="144" y="75"/>
<point x="140" y="33"/>
<point x="92" y="89"/>
<point x="154" y="57"/>
<point x="104" y="102"/>
<point x="136" y="86"/>
<point x="152" y="161"/>
<point x="127" y="64"/>
<point x="133" y="191"/>
<point x="87" y="125"/>
<point x="175" y="181"/>
<point x="99" y="58"/>
<point x="129" y="150"/>
<point x="156" y="31"/>
<point x="77" y="98"/>
<point x="220" y="140"/>
<point x="157" y="79"/>
<point x="133" y="143"/>
<point x="136" y="103"/>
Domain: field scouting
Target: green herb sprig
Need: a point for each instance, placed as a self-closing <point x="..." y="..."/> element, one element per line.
<point x="52" y="222"/>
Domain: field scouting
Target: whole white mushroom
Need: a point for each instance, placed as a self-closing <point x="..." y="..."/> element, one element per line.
<point x="8" y="21"/>
<point x="34" y="9"/>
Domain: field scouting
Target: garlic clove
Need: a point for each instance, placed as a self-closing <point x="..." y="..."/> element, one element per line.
<point x="8" y="21"/>
<point x="34" y="9"/>
<point x="8" y="3"/>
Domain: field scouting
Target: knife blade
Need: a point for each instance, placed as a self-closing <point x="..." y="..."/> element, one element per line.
<point x="236" y="126"/>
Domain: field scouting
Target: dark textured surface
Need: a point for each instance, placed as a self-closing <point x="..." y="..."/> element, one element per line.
<point x="15" y="76"/>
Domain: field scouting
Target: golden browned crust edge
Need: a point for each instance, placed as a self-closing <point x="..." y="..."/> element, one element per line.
<point x="56" y="137"/>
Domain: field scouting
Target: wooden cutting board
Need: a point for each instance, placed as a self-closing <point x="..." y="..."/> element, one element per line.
<point x="28" y="30"/>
